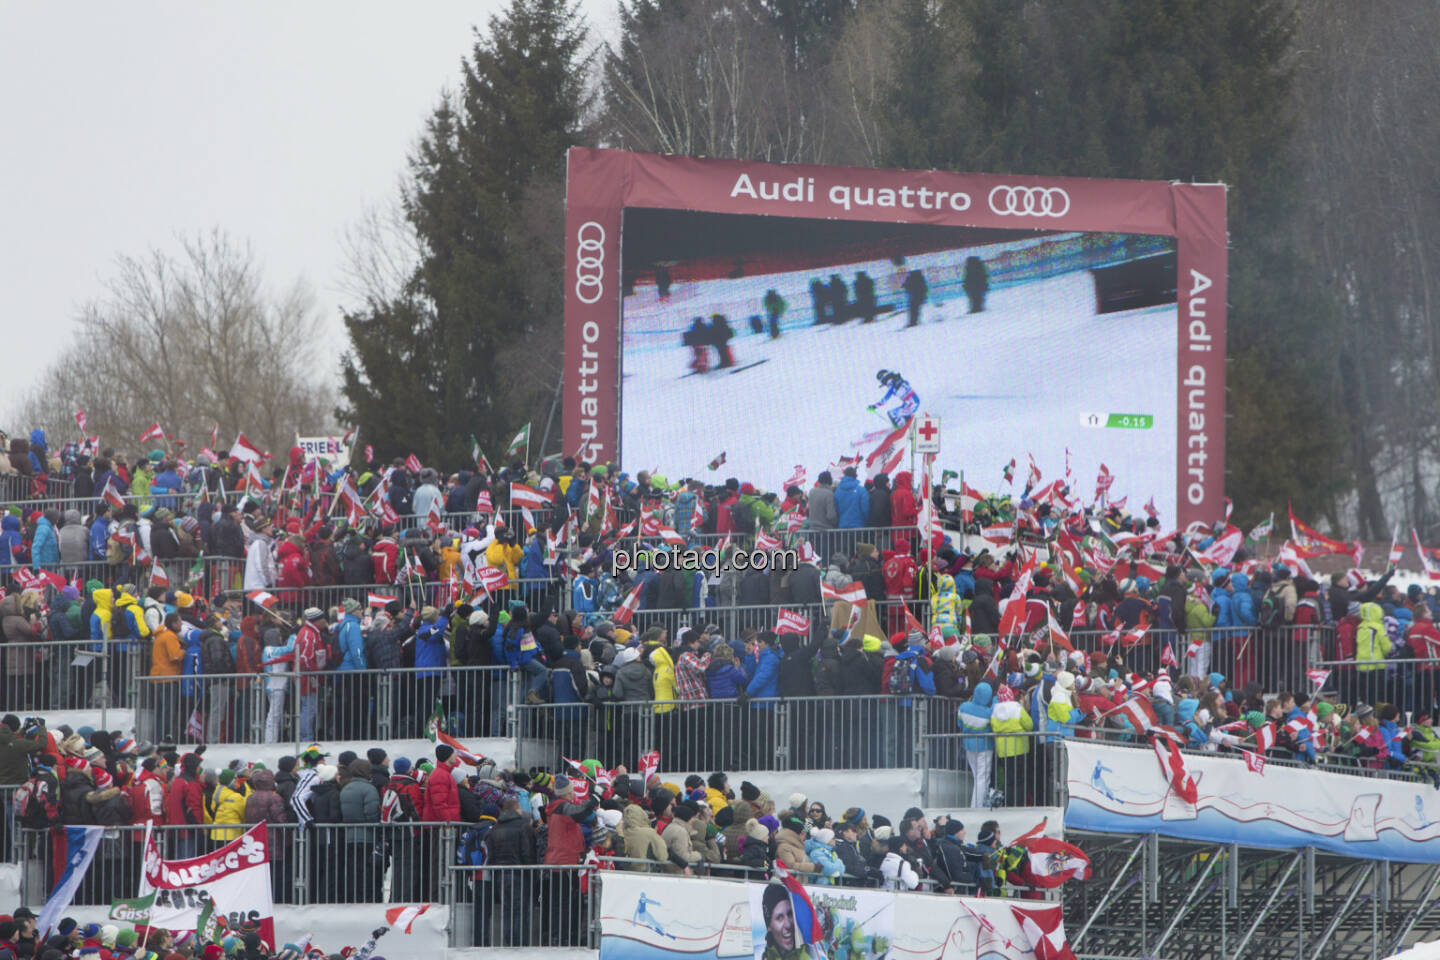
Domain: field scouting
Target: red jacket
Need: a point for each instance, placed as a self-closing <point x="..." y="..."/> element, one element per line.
<point x="147" y="792"/>
<point x="383" y="557"/>
<point x="1307" y="614"/>
<point x="1424" y="642"/>
<point x="309" y="656"/>
<point x="184" y="802"/>
<point x="566" y="843"/>
<point x="442" y="796"/>
<point x="294" y="566"/>
<point x="724" y="522"/>
<point x="904" y="511"/>
<point x="898" y="568"/>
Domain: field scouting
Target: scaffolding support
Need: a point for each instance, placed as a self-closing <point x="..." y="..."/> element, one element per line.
<point x="1105" y="900"/>
<point x="1340" y="914"/>
<point x="1265" y="911"/>
<point x="1189" y="897"/>
<point x="1432" y="885"/>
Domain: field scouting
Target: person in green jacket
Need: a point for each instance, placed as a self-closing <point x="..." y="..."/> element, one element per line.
<point x="15" y="749"/>
<point x="1009" y="717"/>
<point x="1199" y="618"/>
<point x="1372" y="646"/>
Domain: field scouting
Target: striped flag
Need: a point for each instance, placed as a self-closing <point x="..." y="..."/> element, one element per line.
<point x="808" y="928"/>
<point x="80" y="846"/>
<point x="80" y="420"/>
<point x="263" y="598"/>
<point x="379" y="600"/>
<point x="523" y="496"/>
<point x="649" y="765"/>
<point x="412" y="463"/>
<point x="112" y="496"/>
<point x="401" y="918"/>
<point x="629" y="605"/>
<point x="792" y="622"/>
<point x="763" y="541"/>
<point x="245" y="451"/>
<point x="158" y="576"/>
<point x="852" y="593"/>
<point x="482" y="503"/>
<point x="154" y="433"/>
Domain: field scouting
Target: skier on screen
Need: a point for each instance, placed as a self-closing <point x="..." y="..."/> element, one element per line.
<point x="907" y="401"/>
<point x="644" y="918"/>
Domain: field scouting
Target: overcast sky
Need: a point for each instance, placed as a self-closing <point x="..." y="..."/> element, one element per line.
<point x="127" y="125"/>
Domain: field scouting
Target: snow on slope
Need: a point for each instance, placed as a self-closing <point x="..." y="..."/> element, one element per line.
<point x="1015" y="379"/>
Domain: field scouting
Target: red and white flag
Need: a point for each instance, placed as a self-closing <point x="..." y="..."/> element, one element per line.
<point x="797" y="479"/>
<point x="1134" y="637"/>
<point x="1045" y="929"/>
<point x="1103" y="481"/>
<point x="649" y="765"/>
<point x="482" y="503"/>
<point x="629" y="605"/>
<point x="158" y="576"/>
<point x="1167" y="656"/>
<point x="1012" y="609"/>
<point x="1426" y="561"/>
<point x="1058" y="637"/>
<point x="112" y="496"/>
<point x="1172" y="764"/>
<point x="1224" y="547"/>
<point x="253" y="481"/>
<point x="1150" y="509"/>
<point x="670" y="536"/>
<point x="853" y="592"/>
<point x="523" y="496"/>
<point x="763" y="541"/>
<point x="245" y="451"/>
<point x="792" y="622"/>
<point x="81" y="420"/>
<point x="794" y="520"/>
<point x="581" y="786"/>
<point x="1397" y="547"/>
<point x="154" y="433"/>
<point x="434" y="519"/>
<point x="999" y="534"/>
<point x="492" y="578"/>
<point x="1139" y="712"/>
<point x="263" y="598"/>
<point x="1034" y="476"/>
<point x="462" y="753"/>
<point x="412" y="463"/>
<point x="1193" y="649"/>
<point x="401" y="918"/>
<point x="891" y="439"/>
<point x="1318" y="676"/>
<point x="1254" y="761"/>
<point x="892" y="462"/>
<point x="195" y="727"/>
<point x="1053" y="861"/>
<point x="1265" y="737"/>
<point x="379" y="600"/>
<point x="369" y="453"/>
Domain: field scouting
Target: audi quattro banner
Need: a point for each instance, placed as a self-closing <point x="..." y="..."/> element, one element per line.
<point x="1122" y="790"/>
<point x="712" y="305"/>
<point x="234" y="881"/>
<point x="648" y="916"/>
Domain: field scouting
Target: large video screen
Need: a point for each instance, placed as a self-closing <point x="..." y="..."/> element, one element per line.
<point x="778" y="341"/>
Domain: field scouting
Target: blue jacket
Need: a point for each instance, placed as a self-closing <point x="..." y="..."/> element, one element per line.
<point x="1306" y="742"/>
<point x="1195" y="734"/>
<point x="99" y="534"/>
<point x="726" y="682"/>
<point x="166" y="480"/>
<point x="909" y="659"/>
<point x="45" y="548"/>
<point x="352" y="644"/>
<point x="1387" y="728"/>
<point x="576" y="493"/>
<point x="1244" y="601"/>
<point x="430" y="646"/>
<point x="684" y="511"/>
<point x="1225" y="609"/>
<point x="39" y="452"/>
<point x="852" y="503"/>
<point x="584" y="595"/>
<point x="190" y="666"/>
<point x="10" y="539"/>
<point x="532" y="561"/>
<point x="974" y="717"/>
<point x="518" y="646"/>
<point x="765" y="682"/>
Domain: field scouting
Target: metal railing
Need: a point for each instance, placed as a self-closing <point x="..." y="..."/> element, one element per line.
<point x="301" y="707"/>
<point x="322" y="863"/>
<point x="524" y="905"/>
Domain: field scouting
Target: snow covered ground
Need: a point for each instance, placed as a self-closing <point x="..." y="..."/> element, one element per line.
<point x="1018" y="378"/>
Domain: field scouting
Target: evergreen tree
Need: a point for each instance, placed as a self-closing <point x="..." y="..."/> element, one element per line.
<point x="428" y="366"/>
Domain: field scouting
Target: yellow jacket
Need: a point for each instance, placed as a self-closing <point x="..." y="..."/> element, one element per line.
<point x="664" y="679"/>
<point x="126" y="600"/>
<point x="449" y="560"/>
<point x="1372" y="640"/>
<point x="504" y="557"/>
<point x="1010" y="717"/>
<point x="229" y="805"/>
<point x="104" y="610"/>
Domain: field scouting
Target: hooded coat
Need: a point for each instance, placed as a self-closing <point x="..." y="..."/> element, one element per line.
<point x="852" y="503"/>
<point x="74" y="539"/>
<point x="1372" y="640"/>
<point x="10" y="539"/>
<point x="663" y="679"/>
<point x="265" y="805"/>
<point x="641" y="840"/>
<point x="904" y="510"/>
<point x="45" y="547"/>
<point x="974" y="717"/>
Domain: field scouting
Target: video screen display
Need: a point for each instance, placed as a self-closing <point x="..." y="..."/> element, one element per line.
<point x="782" y="341"/>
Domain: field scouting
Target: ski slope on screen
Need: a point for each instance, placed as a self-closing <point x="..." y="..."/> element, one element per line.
<point x="1019" y="377"/>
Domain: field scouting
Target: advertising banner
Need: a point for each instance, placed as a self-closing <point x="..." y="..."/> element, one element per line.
<point x="334" y="450"/>
<point x="846" y="299"/>
<point x="647" y="916"/>
<point x="1122" y="790"/>
<point x="235" y="879"/>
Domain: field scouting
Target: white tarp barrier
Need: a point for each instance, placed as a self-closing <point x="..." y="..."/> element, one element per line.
<point x="650" y="916"/>
<point x="1121" y="790"/>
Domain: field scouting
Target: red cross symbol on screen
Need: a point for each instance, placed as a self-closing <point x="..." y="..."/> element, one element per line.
<point x="927" y="430"/>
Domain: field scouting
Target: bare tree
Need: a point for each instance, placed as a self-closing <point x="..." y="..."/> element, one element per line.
<point x="190" y="341"/>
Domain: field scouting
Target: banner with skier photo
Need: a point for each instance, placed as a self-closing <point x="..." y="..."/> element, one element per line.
<point x="790" y="921"/>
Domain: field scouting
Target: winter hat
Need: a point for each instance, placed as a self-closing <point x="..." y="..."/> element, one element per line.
<point x="1324" y="709"/>
<point x="981" y="641"/>
<point x="125" y="938"/>
<point x="314" y="613"/>
<point x="479" y="618"/>
<point x="108" y="933"/>
<point x="1065" y="680"/>
<point x="213" y="951"/>
<point x="685" y="811"/>
<point x="610" y="818"/>
<point x="884" y="833"/>
<point x="227" y="777"/>
<point x="953" y="827"/>
<point x="443" y="752"/>
<point x="795" y="824"/>
<point x="328" y="771"/>
<point x="749" y="792"/>
<point x="824" y="835"/>
<point x="401" y="765"/>
<point x="756" y="831"/>
<point x="351" y="605"/>
<point x="1255" y="719"/>
<point x="562" y="783"/>
<point x="770" y="823"/>
<point x="1363" y="710"/>
<point x="797" y="801"/>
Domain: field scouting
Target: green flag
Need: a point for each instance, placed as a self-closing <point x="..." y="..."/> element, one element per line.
<point x="197" y="571"/>
<point x="210" y="927"/>
<point x="521" y="442"/>
<point x="132" y="911"/>
<point x="436" y="721"/>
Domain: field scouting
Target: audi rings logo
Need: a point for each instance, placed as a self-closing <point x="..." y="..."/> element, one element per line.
<point x="1029" y="201"/>
<point x="590" y="262"/>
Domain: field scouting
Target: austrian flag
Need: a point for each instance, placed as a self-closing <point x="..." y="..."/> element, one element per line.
<point x="792" y="622"/>
<point x="263" y="598"/>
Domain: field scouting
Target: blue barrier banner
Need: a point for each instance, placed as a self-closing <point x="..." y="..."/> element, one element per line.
<point x="1124" y="790"/>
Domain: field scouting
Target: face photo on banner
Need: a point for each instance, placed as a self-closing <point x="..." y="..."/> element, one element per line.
<point x="851" y="922"/>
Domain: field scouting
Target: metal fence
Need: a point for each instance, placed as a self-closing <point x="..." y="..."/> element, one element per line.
<point x="524" y="905"/>
<point x="323" y="863"/>
<point x="302" y="707"/>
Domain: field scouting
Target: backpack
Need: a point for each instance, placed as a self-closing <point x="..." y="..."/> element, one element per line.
<point x="608" y="591"/>
<point x="1272" y="611"/>
<point x="36" y="806"/>
<point x="471" y="850"/>
<point x="902" y="678"/>
<point x="116" y="551"/>
<point x="742" y="518"/>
